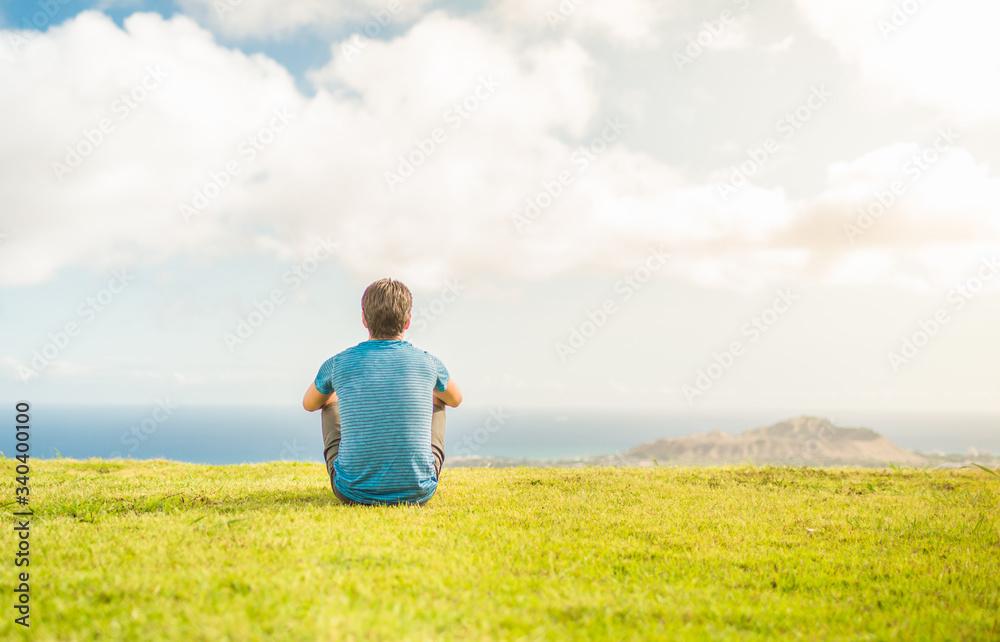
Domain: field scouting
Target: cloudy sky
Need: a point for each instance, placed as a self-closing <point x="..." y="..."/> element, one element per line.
<point x="785" y="204"/>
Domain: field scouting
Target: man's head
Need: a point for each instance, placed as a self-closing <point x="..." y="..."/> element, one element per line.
<point x="385" y="308"/>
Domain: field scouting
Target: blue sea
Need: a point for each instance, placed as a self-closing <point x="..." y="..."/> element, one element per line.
<point x="238" y="434"/>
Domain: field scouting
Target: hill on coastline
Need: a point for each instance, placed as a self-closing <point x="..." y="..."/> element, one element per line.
<point x="802" y="441"/>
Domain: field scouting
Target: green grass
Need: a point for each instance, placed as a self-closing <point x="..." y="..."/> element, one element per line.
<point x="160" y="550"/>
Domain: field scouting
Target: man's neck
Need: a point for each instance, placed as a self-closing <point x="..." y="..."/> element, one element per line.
<point x="371" y="338"/>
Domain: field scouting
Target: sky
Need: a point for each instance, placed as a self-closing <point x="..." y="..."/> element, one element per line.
<point x="788" y="204"/>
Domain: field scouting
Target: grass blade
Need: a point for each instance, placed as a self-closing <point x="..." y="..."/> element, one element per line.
<point x="989" y="470"/>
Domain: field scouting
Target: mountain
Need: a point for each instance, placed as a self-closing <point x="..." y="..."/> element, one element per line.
<point x="803" y="441"/>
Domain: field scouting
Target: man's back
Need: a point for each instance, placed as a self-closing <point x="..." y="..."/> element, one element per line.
<point x="384" y="391"/>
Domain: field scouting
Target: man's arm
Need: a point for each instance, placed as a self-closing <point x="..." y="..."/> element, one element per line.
<point x="452" y="395"/>
<point x="314" y="399"/>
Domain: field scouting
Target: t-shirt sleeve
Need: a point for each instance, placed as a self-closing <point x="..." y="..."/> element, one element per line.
<point x="442" y="373"/>
<point x="324" y="378"/>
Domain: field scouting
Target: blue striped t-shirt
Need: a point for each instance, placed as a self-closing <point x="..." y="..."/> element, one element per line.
<point x="384" y="391"/>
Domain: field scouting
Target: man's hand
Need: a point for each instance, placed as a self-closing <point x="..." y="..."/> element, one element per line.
<point x="451" y="396"/>
<point x="314" y="399"/>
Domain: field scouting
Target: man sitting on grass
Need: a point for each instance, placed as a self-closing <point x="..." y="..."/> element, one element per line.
<point x="383" y="407"/>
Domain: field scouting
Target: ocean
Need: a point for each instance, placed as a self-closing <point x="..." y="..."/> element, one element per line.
<point x="238" y="434"/>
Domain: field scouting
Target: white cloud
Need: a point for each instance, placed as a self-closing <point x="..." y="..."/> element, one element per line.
<point x="626" y="22"/>
<point x="324" y="174"/>
<point x="121" y="202"/>
<point x="912" y="225"/>
<point x="280" y="19"/>
<point x="733" y="38"/>
<point x="780" y="46"/>
<point x="942" y="53"/>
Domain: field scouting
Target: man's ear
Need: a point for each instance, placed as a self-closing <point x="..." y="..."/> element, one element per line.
<point x="363" y="322"/>
<point x="408" y="319"/>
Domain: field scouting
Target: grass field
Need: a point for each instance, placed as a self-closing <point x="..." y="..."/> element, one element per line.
<point x="159" y="550"/>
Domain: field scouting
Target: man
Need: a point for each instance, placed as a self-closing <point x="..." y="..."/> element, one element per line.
<point x="383" y="406"/>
